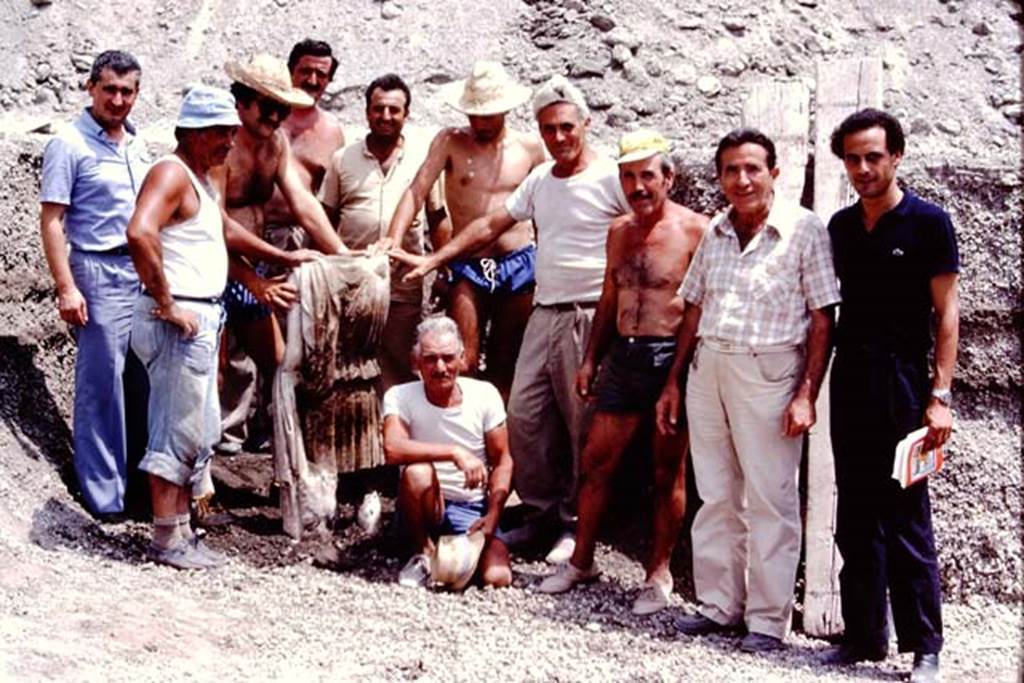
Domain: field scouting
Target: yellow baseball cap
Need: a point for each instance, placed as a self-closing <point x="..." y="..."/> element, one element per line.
<point x="641" y="144"/>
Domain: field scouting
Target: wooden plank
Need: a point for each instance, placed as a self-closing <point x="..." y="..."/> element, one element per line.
<point x="781" y="110"/>
<point x="842" y="88"/>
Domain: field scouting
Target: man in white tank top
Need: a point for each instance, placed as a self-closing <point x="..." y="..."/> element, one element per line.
<point x="177" y="242"/>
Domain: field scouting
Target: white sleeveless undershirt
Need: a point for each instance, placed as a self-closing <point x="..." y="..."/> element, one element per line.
<point x="194" y="254"/>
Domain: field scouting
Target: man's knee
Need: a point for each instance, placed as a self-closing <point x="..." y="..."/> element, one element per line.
<point x="496" y="570"/>
<point x="417" y="479"/>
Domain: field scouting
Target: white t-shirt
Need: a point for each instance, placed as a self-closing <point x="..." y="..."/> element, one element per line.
<point x="464" y="425"/>
<point x="572" y="216"/>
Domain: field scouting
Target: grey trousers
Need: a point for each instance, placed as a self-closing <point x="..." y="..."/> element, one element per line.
<point x="546" y="419"/>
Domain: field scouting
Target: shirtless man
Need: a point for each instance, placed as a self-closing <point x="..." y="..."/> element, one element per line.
<point x="483" y="163"/>
<point x="314" y="135"/>
<point x="260" y="162"/>
<point x="649" y="250"/>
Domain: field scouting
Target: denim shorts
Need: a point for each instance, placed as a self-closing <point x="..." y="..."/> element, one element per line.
<point x="634" y="373"/>
<point x="460" y="515"/>
<point x="184" y="411"/>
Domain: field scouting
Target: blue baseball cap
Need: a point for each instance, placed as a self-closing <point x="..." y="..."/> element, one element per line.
<point x="205" y="106"/>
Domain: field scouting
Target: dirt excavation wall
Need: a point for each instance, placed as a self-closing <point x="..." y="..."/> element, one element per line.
<point x="952" y="74"/>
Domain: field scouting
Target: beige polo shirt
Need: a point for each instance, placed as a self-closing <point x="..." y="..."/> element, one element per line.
<point x="366" y="199"/>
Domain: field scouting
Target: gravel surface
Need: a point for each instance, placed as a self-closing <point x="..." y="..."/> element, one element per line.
<point x="79" y="602"/>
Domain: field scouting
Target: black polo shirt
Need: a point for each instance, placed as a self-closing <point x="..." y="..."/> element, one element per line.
<point x="885" y="274"/>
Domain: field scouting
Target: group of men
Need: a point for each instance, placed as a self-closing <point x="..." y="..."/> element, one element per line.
<point x="589" y="299"/>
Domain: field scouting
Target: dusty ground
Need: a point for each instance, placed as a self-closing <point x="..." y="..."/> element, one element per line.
<point x="78" y="603"/>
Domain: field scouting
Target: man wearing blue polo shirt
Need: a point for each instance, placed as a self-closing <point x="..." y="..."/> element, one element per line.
<point x="91" y="174"/>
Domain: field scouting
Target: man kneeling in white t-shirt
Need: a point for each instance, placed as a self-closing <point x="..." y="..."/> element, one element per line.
<point x="447" y="431"/>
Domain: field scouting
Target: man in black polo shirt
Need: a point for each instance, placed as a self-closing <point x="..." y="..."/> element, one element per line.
<point x="897" y="261"/>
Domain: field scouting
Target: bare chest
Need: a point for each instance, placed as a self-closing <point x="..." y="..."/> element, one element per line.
<point x="251" y="176"/>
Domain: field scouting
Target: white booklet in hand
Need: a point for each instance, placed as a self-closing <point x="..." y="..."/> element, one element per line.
<point x="912" y="463"/>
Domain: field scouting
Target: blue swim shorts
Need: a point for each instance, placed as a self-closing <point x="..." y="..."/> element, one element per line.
<point x="508" y="274"/>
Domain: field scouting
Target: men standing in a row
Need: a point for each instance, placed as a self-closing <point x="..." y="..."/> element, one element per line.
<point x="92" y="172"/>
<point x="759" y="297"/>
<point x="313" y="136"/>
<point x="362" y="187"/>
<point x="177" y="242"/>
<point x="572" y="201"/>
<point x="897" y="261"/>
<point x="482" y="164"/>
<point x="634" y="342"/>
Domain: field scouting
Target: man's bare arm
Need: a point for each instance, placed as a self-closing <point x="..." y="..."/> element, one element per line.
<point x="71" y="305"/>
<point x="242" y="241"/>
<point x="605" y="317"/>
<point x="159" y="199"/>
<point x="499" y="483"/>
<point x="800" y="414"/>
<point x="666" y="412"/>
<point x="416" y="194"/>
<point x="401" y="449"/>
<point x="305" y="207"/>
<point x="938" y="417"/>
<point x="478" y="233"/>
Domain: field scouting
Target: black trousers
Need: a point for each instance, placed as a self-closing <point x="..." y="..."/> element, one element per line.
<point x="884" y="532"/>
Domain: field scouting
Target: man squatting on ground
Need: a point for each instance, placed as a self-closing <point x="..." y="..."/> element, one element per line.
<point x="177" y="241"/>
<point x="260" y="162"/>
<point x="91" y="174"/>
<point x="446" y="431"/>
<point x="572" y="200"/>
<point x="633" y="340"/>
<point x="313" y="136"/>
<point x="897" y="261"/>
<point x="482" y="164"/>
<point x="364" y="183"/>
<point x="758" y="306"/>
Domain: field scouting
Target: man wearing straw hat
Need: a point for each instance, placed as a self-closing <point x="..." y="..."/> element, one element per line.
<point x="448" y="433"/>
<point x="572" y="201"/>
<point x="260" y="162"/>
<point x="313" y="135"/>
<point x="483" y="163"/>
<point x="634" y="342"/>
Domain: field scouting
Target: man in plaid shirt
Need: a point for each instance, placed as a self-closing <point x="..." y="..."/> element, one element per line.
<point x="759" y="296"/>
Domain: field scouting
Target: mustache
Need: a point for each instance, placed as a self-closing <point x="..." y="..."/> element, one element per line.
<point x="640" y="194"/>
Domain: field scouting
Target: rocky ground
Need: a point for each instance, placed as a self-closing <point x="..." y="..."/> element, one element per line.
<point x="79" y="602"/>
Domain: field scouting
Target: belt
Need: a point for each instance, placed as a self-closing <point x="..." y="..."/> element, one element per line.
<point x="116" y="251"/>
<point x="193" y="299"/>
<point x="722" y="346"/>
<point x="566" y="306"/>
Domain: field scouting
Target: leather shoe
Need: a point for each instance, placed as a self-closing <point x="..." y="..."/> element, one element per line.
<point x="848" y="655"/>
<point x="700" y="625"/>
<point x="926" y="668"/>
<point x="760" y="642"/>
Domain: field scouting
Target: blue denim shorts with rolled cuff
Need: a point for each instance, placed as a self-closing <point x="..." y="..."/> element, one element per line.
<point x="184" y="411"/>
<point x="459" y="516"/>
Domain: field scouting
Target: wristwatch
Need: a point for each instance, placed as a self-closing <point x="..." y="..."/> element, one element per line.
<point x="943" y="396"/>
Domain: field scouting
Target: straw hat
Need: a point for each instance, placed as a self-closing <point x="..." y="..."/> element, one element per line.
<point x="488" y="90"/>
<point x="641" y="144"/>
<point x="455" y="559"/>
<point x="269" y="76"/>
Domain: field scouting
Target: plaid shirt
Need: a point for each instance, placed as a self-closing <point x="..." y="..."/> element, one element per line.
<point x="763" y="295"/>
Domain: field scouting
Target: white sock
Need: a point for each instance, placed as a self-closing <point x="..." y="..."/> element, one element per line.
<point x="165" y="531"/>
<point x="185" y="526"/>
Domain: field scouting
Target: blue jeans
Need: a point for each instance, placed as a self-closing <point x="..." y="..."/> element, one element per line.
<point x="106" y="372"/>
<point x="184" y="413"/>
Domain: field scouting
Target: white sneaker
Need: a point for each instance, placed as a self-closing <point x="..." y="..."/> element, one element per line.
<point x="562" y="550"/>
<point x="653" y="597"/>
<point x="415" y="572"/>
<point x="368" y="516"/>
<point x="566" y="576"/>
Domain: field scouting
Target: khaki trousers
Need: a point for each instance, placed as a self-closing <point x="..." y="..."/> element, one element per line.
<point x="546" y="419"/>
<point x="746" y="535"/>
